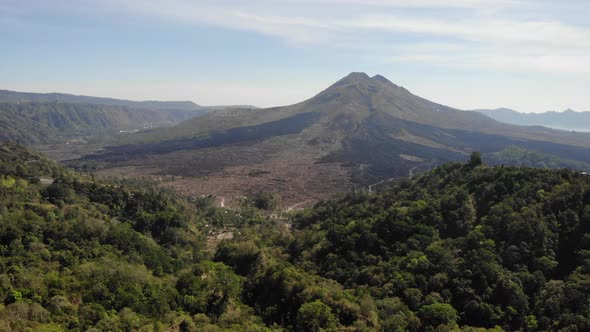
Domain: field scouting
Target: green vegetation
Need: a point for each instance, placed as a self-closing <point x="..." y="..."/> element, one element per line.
<point x="463" y="247"/>
<point x="266" y="201"/>
<point x="45" y="122"/>
<point x="80" y="254"/>
<point x="516" y="156"/>
<point x="474" y="246"/>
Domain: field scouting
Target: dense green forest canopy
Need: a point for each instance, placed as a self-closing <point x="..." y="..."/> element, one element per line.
<point x="463" y="244"/>
<point x="463" y="247"/>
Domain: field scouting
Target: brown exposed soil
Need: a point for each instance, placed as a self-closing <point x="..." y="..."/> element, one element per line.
<point x="296" y="180"/>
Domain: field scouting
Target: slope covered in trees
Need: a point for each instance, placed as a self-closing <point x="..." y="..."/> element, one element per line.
<point x="82" y="254"/>
<point x="464" y="246"/>
<point x="42" y="122"/>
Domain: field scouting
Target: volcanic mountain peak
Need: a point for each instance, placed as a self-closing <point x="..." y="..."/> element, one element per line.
<point x="362" y="79"/>
<point x="356" y="76"/>
<point x="362" y="95"/>
<point x="358" y="86"/>
<point x="382" y="79"/>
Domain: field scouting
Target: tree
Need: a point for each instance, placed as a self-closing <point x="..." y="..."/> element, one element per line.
<point x="7" y="181"/>
<point x="437" y="314"/>
<point x="208" y="288"/>
<point x="315" y="316"/>
<point x="475" y="160"/>
<point x="266" y="201"/>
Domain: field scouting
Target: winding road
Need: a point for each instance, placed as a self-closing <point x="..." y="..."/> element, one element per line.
<point x="222" y="202"/>
<point x="381" y="182"/>
<point x="296" y="205"/>
<point x="410" y="175"/>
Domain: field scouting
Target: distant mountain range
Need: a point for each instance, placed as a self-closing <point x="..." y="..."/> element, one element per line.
<point x="359" y="130"/>
<point x="566" y="120"/>
<point x="32" y="118"/>
<point x="7" y="96"/>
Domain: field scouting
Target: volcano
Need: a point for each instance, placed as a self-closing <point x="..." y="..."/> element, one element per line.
<point x="358" y="131"/>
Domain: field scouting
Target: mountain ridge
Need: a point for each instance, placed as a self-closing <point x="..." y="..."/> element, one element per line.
<point x="16" y="96"/>
<point x="564" y="120"/>
<point x="40" y="118"/>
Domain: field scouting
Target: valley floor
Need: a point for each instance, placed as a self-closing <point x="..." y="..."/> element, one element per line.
<point x="297" y="181"/>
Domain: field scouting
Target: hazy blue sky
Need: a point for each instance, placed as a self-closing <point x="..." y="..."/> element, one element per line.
<point x="530" y="55"/>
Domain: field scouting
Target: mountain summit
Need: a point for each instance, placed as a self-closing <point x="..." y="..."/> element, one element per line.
<point x="355" y="77"/>
<point x="360" y="92"/>
<point x="362" y="78"/>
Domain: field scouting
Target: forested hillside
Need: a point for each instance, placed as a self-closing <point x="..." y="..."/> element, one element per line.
<point x="461" y="245"/>
<point x="45" y="122"/>
<point x="464" y="246"/>
<point x="80" y="254"/>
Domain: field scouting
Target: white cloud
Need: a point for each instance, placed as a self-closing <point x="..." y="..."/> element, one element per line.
<point x="569" y="64"/>
<point x="473" y="4"/>
<point x="482" y="30"/>
<point x="504" y="42"/>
